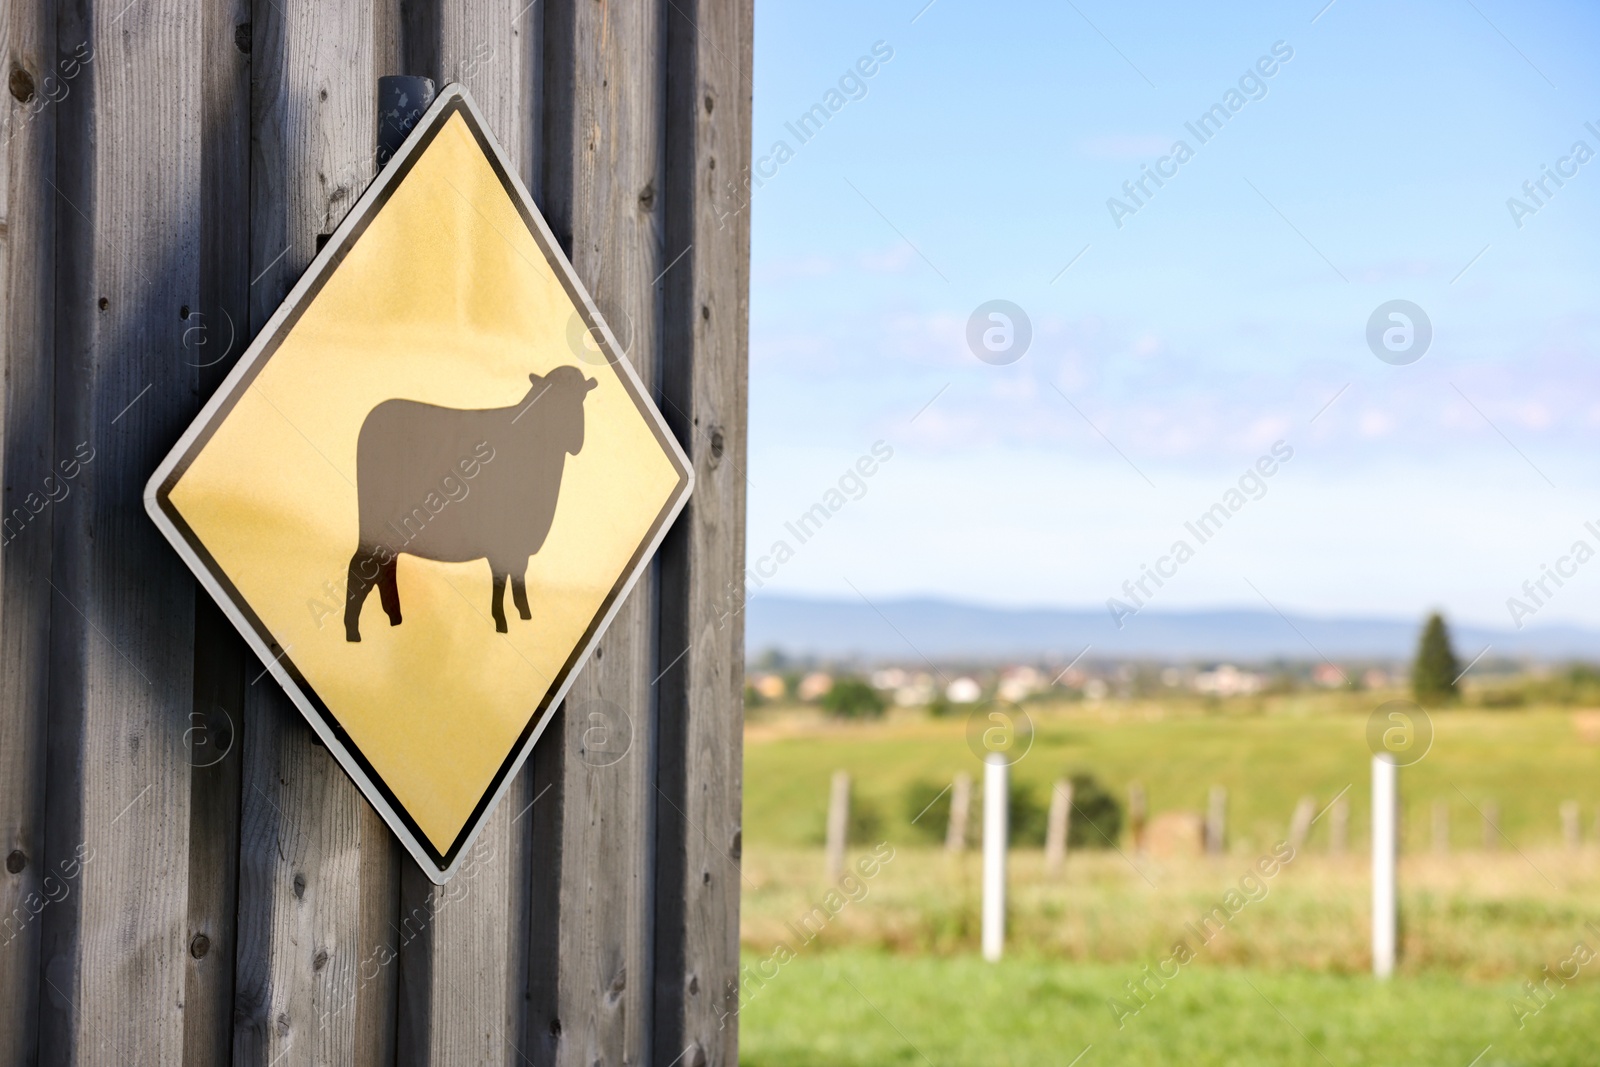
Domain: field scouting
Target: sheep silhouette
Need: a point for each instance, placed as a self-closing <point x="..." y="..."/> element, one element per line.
<point x="456" y="485"/>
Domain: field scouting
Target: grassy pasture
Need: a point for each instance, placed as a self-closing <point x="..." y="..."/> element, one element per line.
<point x="894" y="976"/>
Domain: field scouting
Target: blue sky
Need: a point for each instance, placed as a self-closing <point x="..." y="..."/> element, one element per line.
<point x="1221" y="316"/>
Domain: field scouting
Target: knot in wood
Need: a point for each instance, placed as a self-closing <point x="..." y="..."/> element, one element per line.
<point x="21" y="84"/>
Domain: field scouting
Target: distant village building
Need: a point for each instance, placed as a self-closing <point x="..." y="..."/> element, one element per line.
<point x="1327" y="675"/>
<point x="815" y="685"/>
<point x="889" y="678"/>
<point x="1017" y="683"/>
<point x="1228" y="680"/>
<point x="915" y="693"/>
<point x="770" y="686"/>
<point x="963" y="691"/>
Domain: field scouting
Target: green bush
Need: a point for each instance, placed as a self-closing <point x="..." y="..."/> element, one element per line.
<point x="1578" y="684"/>
<point x="1502" y="698"/>
<point x="1027" y="817"/>
<point x="852" y="698"/>
<point x="1096" y="814"/>
<point x="930" y="799"/>
<point x="866" y="821"/>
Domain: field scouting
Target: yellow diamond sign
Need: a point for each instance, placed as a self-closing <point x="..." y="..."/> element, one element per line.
<point x="422" y="504"/>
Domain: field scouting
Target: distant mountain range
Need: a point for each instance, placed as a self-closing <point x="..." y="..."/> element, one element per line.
<point x="905" y="629"/>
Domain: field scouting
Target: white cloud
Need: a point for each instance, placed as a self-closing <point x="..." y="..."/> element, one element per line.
<point x="896" y="259"/>
<point x="1124" y="146"/>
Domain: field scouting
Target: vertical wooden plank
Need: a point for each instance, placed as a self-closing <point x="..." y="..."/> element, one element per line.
<point x="317" y="870"/>
<point x="603" y="170"/>
<point x="127" y="257"/>
<point x="702" y="627"/>
<point x="216" y="333"/>
<point x="463" y="974"/>
<point x="27" y="290"/>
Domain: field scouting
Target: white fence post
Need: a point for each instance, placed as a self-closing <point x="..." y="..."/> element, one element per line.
<point x="1385" y="781"/>
<point x="996" y="798"/>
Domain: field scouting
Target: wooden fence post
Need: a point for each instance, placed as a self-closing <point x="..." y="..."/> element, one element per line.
<point x="1137" y="815"/>
<point x="129" y="221"/>
<point x="28" y="207"/>
<point x="1571" y="828"/>
<point x="838" y="832"/>
<point x="1217" y="820"/>
<point x="462" y="979"/>
<point x="166" y="173"/>
<point x="1055" y="845"/>
<point x="316" y="863"/>
<point x="1300" y="822"/>
<point x="704" y="386"/>
<point x="955" y="837"/>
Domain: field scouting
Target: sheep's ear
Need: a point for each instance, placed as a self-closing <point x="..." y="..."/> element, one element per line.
<point x="589" y="383"/>
<point x="535" y="379"/>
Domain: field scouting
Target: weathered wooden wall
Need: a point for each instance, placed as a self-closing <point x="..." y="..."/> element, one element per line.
<point x="188" y="877"/>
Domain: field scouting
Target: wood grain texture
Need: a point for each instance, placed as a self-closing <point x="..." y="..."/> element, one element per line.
<point x="27" y="289"/>
<point x="603" y="173"/>
<point x="214" y="338"/>
<point x="704" y="388"/>
<point x="316" y="873"/>
<point x="122" y="641"/>
<point x="463" y="976"/>
<point x="221" y="891"/>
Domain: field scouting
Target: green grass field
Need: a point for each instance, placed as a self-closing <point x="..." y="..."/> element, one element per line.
<point x="894" y="976"/>
<point x="854" y="1007"/>
<point x="1268" y="753"/>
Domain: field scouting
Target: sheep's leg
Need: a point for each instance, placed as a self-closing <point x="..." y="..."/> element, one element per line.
<point x="519" y="593"/>
<point x="499" y="602"/>
<point x="389" y="590"/>
<point x="357" y="586"/>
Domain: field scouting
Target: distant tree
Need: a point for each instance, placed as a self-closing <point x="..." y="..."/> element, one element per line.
<point x="852" y="698"/>
<point x="1433" y="675"/>
<point x="773" y="659"/>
